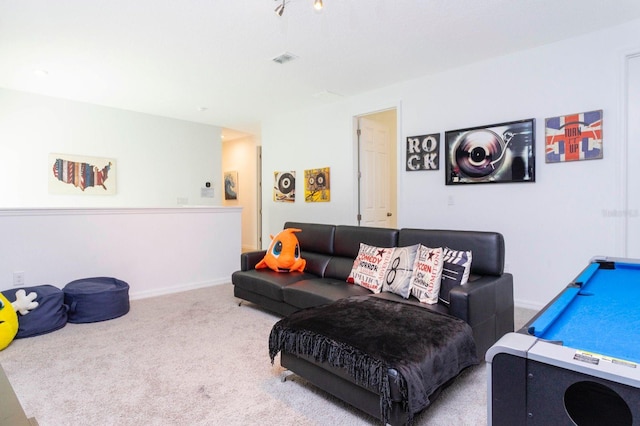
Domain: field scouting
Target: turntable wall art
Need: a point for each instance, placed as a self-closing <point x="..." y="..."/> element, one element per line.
<point x="284" y="187"/>
<point x="497" y="153"/>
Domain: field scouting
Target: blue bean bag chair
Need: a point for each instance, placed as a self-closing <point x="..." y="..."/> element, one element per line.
<point x="96" y="299"/>
<point x="50" y="315"/>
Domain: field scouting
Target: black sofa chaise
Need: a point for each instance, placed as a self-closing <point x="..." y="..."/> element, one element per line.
<point x="485" y="302"/>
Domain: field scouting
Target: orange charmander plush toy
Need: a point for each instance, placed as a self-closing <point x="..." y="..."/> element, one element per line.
<point x="284" y="253"/>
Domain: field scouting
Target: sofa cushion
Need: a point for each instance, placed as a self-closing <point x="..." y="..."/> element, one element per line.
<point x="438" y="307"/>
<point x="266" y="282"/>
<point x="314" y="237"/>
<point x="397" y="278"/>
<point x="315" y="292"/>
<point x="487" y="247"/>
<point x="316" y="262"/>
<point x="370" y="267"/>
<point x="348" y="239"/>
<point x="339" y="268"/>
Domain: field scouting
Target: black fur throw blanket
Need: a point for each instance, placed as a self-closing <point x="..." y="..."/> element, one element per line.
<point x="366" y="336"/>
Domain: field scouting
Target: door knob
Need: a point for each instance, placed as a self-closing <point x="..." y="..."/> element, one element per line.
<point x="389" y="214"/>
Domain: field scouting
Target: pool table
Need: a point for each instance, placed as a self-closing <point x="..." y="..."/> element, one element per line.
<point x="577" y="362"/>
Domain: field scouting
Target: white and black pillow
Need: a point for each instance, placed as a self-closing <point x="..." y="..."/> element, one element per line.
<point x="370" y="266"/>
<point x="455" y="271"/>
<point x="397" y="278"/>
<point x="426" y="277"/>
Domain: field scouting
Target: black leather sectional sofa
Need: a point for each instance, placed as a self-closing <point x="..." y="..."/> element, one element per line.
<point x="485" y="302"/>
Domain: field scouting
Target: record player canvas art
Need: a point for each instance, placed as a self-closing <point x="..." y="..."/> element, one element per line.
<point x="497" y="153"/>
<point x="284" y="187"/>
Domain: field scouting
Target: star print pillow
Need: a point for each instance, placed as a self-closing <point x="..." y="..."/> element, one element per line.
<point x="370" y="266"/>
<point x="427" y="273"/>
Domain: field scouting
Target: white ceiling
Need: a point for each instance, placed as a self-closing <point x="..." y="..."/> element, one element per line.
<point x="209" y="61"/>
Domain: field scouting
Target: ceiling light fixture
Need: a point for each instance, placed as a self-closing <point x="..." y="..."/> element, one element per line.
<point x="317" y="5"/>
<point x="280" y="8"/>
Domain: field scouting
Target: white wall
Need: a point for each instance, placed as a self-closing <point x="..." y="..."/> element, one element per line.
<point x="160" y="163"/>
<point x="240" y="155"/>
<point x="159" y="160"/>
<point x="552" y="227"/>
<point x="155" y="250"/>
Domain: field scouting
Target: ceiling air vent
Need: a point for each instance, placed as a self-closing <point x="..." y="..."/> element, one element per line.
<point x="284" y="58"/>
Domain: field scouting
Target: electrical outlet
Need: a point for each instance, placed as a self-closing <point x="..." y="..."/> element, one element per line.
<point x="18" y="278"/>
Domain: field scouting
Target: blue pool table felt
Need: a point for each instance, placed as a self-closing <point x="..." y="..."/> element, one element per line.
<point x="601" y="316"/>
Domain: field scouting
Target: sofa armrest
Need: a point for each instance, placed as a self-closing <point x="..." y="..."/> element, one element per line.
<point x="250" y="259"/>
<point x="486" y="304"/>
<point x="476" y="300"/>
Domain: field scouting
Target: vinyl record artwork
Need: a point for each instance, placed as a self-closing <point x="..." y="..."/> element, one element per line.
<point x="316" y="185"/>
<point x="284" y="187"/>
<point x="491" y="154"/>
<point x="573" y="137"/>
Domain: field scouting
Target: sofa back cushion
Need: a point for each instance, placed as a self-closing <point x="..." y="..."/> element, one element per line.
<point x="316" y="237"/>
<point x="347" y="244"/>
<point x="487" y="248"/>
<point x="348" y="238"/>
<point x="316" y="245"/>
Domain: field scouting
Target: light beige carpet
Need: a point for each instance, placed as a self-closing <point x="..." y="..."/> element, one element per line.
<point x="192" y="358"/>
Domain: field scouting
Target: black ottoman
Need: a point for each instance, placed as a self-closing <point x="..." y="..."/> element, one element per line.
<point x="50" y="315"/>
<point x="96" y="299"/>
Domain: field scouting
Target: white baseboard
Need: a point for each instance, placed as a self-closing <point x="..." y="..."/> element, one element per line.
<point x="177" y="289"/>
<point x="526" y="304"/>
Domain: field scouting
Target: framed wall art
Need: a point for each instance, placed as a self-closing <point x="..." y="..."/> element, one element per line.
<point x="231" y="185"/>
<point x="423" y="152"/>
<point x="316" y="185"/>
<point x="573" y="137"/>
<point x="284" y="187"/>
<point x="496" y="153"/>
<point x="74" y="174"/>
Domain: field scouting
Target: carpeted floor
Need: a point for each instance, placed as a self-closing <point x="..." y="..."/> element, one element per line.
<point x="192" y="358"/>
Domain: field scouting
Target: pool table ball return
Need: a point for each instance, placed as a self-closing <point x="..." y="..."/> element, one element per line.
<point x="577" y="362"/>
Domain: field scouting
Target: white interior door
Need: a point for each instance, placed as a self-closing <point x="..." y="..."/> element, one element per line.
<point x="375" y="179"/>
<point x="632" y="213"/>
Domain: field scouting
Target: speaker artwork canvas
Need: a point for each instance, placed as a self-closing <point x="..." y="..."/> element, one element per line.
<point x="316" y="185"/>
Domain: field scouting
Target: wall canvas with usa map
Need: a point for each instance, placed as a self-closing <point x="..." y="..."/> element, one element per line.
<point x="573" y="137"/>
<point x="74" y="174"/>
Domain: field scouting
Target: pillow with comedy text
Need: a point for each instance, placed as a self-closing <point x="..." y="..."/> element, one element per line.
<point x="370" y="266"/>
<point x="397" y="278"/>
<point x="455" y="271"/>
<point x="427" y="273"/>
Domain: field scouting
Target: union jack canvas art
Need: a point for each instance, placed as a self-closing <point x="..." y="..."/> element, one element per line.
<point x="573" y="137"/>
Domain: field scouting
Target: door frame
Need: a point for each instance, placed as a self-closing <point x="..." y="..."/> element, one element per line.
<point x="398" y="158"/>
<point x="623" y="223"/>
